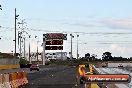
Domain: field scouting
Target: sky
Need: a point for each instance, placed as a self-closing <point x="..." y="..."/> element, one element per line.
<point x="102" y="25"/>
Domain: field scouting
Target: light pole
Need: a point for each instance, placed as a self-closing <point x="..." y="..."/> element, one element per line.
<point x="24" y="49"/>
<point x="20" y="43"/>
<point x="71" y="45"/>
<point x="37" y="48"/>
<point x="29" y="50"/>
<point x="44" y="41"/>
<point x="15" y="31"/>
<point x="37" y="51"/>
<point x="21" y="32"/>
<point x="77" y="47"/>
<point x="24" y="38"/>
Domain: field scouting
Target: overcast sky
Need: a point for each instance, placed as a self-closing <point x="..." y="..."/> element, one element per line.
<point x="102" y="25"/>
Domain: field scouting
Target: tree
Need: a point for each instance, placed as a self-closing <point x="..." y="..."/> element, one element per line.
<point x="23" y="61"/>
<point x="107" y="56"/>
<point x="130" y="58"/>
<point x="87" y="56"/>
<point x="93" y="57"/>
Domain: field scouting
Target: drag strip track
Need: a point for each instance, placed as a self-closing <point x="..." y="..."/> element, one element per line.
<point x="56" y="77"/>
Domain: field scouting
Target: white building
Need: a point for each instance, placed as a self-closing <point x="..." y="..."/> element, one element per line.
<point x="48" y="55"/>
<point x="61" y="55"/>
<point x="56" y="55"/>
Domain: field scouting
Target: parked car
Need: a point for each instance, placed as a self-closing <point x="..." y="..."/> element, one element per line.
<point x="34" y="67"/>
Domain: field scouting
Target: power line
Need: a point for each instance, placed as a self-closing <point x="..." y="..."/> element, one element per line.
<point x="75" y="32"/>
<point x="82" y="33"/>
<point x="103" y="33"/>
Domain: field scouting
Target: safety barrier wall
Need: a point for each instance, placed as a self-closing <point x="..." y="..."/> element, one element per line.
<point x="3" y="67"/>
<point x="13" y="80"/>
<point x="7" y="63"/>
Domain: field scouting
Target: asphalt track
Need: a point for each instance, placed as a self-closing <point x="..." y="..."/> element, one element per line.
<point x="54" y="77"/>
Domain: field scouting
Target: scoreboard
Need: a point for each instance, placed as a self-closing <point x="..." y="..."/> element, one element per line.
<point x="54" y="36"/>
<point x="54" y="47"/>
<point x="54" y="41"/>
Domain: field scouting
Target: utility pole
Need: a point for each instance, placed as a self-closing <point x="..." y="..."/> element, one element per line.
<point x="0" y="9"/>
<point x="77" y="47"/>
<point x="15" y="31"/>
<point x="43" y="59"/>
<point x="71" y="45"/>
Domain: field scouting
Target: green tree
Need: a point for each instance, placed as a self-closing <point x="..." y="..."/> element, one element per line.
<point x="87" y="56"/>
<point x="23" y="61"/>
<point x="93" y="57"/>
<point x="107" y="56"/>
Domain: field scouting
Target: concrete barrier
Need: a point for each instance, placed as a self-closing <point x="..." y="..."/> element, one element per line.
<point x="13" y="80"/>
<point x="25" y="77"/>
<point x="7" y="81"/>
<point x="19" y="79"/>
<point x="2" y="81"/>
<point x="9" y="63"/>
<point x="2" y="67"/>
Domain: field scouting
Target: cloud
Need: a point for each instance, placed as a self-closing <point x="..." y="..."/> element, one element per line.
<point x="83" y="24"/>
<point x="119" y="50"/>
<point x="125" y="23"/>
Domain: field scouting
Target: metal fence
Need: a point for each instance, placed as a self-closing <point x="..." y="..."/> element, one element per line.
<point x="7" y="61"/>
